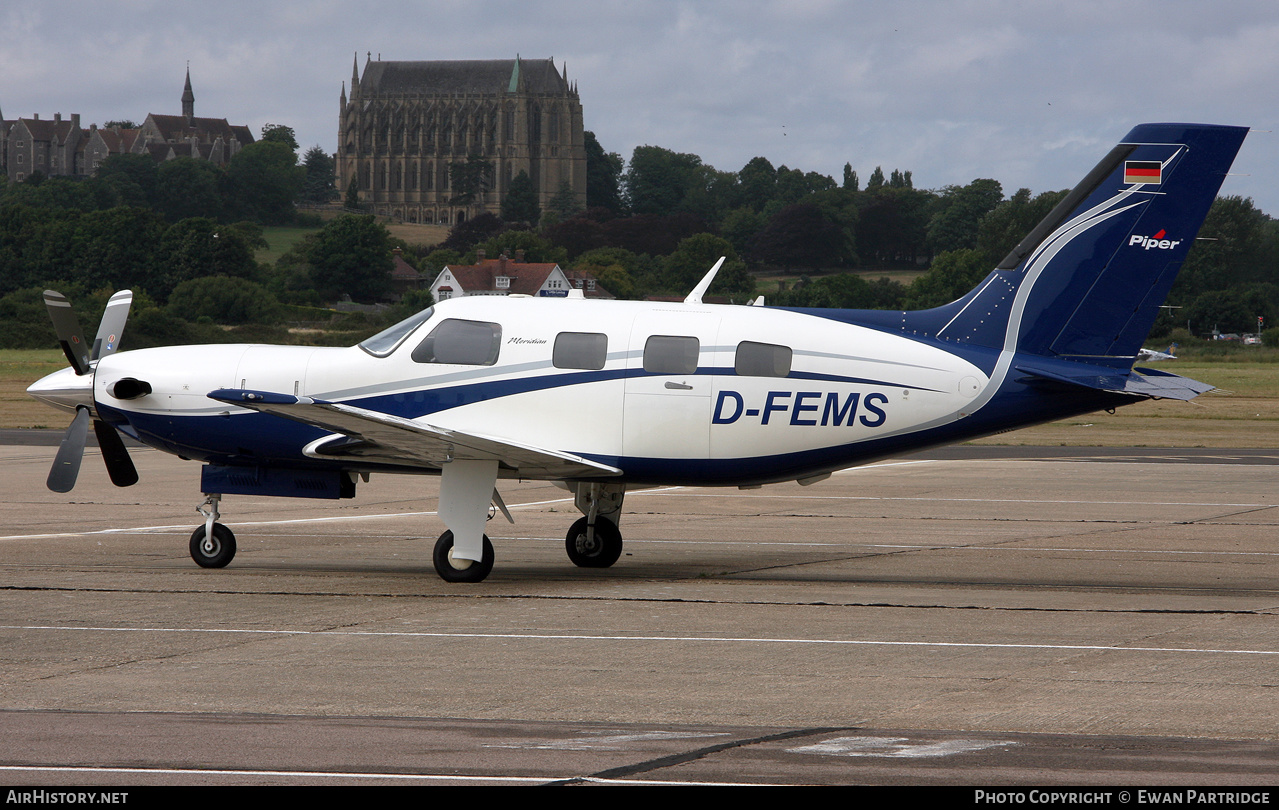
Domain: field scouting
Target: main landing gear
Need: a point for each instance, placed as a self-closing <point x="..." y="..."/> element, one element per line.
<point x="466" y="493"/>
<point x="212" y="545"/>
<point x="464" y="553"/>
<point x="594" y="541"/>
<point x="457" y="569"/>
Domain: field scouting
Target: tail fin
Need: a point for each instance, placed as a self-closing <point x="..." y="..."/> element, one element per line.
<point x="1087" y="283"/>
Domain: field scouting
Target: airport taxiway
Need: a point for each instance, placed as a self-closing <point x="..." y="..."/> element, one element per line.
<point x="1016" y="615"/>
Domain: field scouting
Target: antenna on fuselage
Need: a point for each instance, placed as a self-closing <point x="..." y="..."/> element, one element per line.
<point x="695" y="297"/>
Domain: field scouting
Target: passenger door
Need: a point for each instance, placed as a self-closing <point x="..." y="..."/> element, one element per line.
<point x="668" y="389"/>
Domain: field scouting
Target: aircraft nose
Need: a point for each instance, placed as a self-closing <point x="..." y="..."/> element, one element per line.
<point x="64" y="390"/>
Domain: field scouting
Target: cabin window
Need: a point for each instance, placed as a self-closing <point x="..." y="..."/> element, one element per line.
<point x="761" y="360"/>
<point x="667" y="354"/>
<point x="584" y="350"/>
<point x="459" y="342"/>
<point x="386" y="341"/>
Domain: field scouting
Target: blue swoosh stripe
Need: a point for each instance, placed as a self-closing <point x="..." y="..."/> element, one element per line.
<point x="411" y="404"/>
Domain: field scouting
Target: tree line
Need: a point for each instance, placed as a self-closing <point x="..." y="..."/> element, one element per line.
<point x="650" y="220"/>
<point x="260" y="183"/>
<point x="183" y="234"/>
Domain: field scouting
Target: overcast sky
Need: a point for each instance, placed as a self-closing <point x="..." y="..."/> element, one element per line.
<point x="1028" y="93"/>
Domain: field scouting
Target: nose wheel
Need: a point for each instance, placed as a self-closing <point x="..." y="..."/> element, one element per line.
<point x="212" y="545"/>
<point x="213" y="550"/>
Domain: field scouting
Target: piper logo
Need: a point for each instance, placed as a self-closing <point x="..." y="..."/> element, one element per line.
<point x="1156" y="242"/>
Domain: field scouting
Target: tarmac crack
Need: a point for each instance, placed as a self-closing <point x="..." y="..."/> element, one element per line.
<point x="676" y="600"/>
<point x="671" y="760"/>
<point x="1214" y="520"/>
<point x="998" y="519"/>
<point x="988" y="519"/>
<point x="147" y="659"/>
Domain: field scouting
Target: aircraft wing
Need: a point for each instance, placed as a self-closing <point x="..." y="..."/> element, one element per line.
<point x="380" y="437"/>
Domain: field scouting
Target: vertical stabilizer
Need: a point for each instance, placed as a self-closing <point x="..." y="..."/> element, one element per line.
<point x="1087" y="283"/>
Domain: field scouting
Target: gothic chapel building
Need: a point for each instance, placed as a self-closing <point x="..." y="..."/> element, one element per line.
<point x="405" y="123"/>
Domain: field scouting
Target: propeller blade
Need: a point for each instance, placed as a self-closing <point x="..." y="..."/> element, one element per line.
<point x="119" y="465"/>
<point x="113" y="319"/>
<point x="66" y="466"/>
<point x="67" y="325"/>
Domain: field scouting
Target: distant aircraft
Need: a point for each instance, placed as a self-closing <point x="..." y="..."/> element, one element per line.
<point x="605" y="396"/>
<point x="1150" y="355"/>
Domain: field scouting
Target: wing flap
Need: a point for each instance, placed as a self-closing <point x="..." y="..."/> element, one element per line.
<point x="391" y="439"/>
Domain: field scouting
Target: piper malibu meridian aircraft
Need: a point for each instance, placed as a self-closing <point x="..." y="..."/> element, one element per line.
<point x="603" y="396"/>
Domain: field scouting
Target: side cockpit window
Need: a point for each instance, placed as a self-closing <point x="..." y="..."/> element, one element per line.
<point x="389" y="339"/>
<point x="761" y="360"/>
<point x="458" y="342"/>
<point x="582" y="350"/>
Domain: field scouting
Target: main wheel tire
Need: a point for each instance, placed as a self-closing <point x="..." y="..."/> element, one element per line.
<point x="217" y="552"/>
<point x="600" y="553"/>
<point x="451" y="569"/>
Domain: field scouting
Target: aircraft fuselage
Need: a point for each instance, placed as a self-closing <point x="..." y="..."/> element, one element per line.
<point x="667" y="393"/>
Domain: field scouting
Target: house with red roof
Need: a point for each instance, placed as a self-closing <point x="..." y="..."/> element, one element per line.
<point x="507" y="276"/>
<point x="403" y="277"/>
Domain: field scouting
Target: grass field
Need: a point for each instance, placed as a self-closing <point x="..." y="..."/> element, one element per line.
<point x="419" y="234"/>
<point x="767" y="284"/>
<point x="281" y="239"/>
<point x="18" y="369"/>
<point x="1243" y="413"/>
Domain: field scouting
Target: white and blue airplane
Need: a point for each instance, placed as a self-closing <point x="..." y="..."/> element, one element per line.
<point x="606" y="396"/>
<point x="1154" y="355"/>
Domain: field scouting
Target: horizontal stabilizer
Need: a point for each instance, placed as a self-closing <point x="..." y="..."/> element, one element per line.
<point x="1140" y="382"/>
<point x="390" y="439"/>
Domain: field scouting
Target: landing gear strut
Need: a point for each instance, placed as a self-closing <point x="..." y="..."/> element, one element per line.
<point x="594" y="541"/>
<point x="212" y="545"/>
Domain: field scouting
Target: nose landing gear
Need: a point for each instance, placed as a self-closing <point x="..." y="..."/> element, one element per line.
<point x="212" y="545"/>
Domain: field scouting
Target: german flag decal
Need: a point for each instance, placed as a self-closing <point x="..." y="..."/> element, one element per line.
<point x="1142" y="171"/>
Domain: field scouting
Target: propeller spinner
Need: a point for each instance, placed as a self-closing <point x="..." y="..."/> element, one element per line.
<point x="63" y="390"/>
